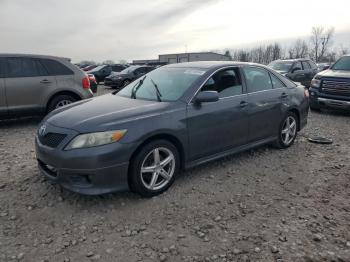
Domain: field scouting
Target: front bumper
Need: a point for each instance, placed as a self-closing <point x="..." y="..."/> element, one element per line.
<point x="89" y="171"/>
<point x="113" y="82"/>
<point x="320" y="100"/>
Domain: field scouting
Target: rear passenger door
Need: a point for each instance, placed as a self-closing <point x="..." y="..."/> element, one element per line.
<point x="63" y="76"/>
<point x="3" y="104"/>
<point x="26" y="82"/>
<point x="265" y="95"/>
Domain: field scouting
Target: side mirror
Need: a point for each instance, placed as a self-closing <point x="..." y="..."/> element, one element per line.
<point x="296" y="69"/>
<point x="206" y="97"/>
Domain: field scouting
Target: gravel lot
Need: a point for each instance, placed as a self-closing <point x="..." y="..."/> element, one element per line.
<point x="261" y="205"/>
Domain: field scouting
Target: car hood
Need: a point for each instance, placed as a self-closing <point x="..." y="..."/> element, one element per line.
<point x="335" y="73"/>
<point x="103" y="113"/>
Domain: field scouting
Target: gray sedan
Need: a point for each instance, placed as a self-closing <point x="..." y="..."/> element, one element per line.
<point x="175" y="117"/>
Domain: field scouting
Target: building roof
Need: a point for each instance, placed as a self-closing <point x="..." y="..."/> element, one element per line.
<point x="193" y="53"/>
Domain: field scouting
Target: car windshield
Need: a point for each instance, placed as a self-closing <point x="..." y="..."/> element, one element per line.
<point x="281" y="65"/>
<point x="97" y="68"/>
<point x="163" y="84"/>
<point x="129" y="70"/>
<point x="342" y="64"/>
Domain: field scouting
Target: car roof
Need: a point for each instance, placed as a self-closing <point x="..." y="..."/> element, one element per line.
<point x="210" y="64"/>
<point x="293" y="60"/>
<point x="31" y="56"/>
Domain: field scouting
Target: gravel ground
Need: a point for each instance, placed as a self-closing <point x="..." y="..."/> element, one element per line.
<point x="261" y="205"/>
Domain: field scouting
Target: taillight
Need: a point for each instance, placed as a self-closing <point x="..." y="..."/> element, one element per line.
<point x="306" y="93"/>
<point x="86" y="82"/>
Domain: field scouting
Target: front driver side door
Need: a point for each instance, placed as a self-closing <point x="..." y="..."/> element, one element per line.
<point x="218" y="126"/>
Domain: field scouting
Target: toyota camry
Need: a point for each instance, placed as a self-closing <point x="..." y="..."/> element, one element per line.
<point x="173" y="118"/>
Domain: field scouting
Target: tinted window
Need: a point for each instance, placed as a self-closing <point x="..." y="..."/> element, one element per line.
<point x="257" y="79"/>
<point x="226" y="83"/>
<point x="306" y="65"/>
<point x="21" y="67"/>
<point x="297" y="65"/>
<point x="342" y="64"/>
<point x="117" y="68"/>
<point x="56" y="68"/>
<point x="276" y="83"/>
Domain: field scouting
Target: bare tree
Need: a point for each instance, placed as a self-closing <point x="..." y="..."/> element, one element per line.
<point x="321" y="40"/>
<point x="299" y="49"/>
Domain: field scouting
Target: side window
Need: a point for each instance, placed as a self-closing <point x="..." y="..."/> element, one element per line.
<point x="55" y="68"/>
<point x="276" y="83"/>
<point x="257" y="79"/>
<point x="40" y="68"/>
<point x="297" y="65"/>
<point x="21" y="67"/>
<point x="306" y="65"/>
<point x="226" y="82"/>
<point x="312" y="65"/>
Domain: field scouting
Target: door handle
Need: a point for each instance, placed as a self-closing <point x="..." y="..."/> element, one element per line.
<point x="284" y="95"/>
<point x="45" y="81"/>
<point x="243" y="104"/>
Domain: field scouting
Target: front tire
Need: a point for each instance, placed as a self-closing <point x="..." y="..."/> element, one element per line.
<point x="154" y="168"/>
<point x="288" y="131"/>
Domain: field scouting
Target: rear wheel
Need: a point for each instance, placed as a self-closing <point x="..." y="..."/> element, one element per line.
<point x="154" y="168"/>
<point x="288" y="130"/>
<point x="59" y="101"/>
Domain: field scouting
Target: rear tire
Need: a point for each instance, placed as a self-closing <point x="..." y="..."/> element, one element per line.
<point x="154" y="168"/>
<point x="287" y="131"/>
<point x="59" y="101"/>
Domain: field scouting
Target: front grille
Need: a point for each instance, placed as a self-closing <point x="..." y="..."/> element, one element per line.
<point x="336" y="87"/>
<point x="51" y="139"/>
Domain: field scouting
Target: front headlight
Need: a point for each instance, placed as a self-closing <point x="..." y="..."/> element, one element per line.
<point x="316" y="82"/>
<point x="95" y="139"/>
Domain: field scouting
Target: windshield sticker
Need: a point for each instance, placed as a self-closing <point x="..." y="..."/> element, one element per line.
<point x="194" y="72"/>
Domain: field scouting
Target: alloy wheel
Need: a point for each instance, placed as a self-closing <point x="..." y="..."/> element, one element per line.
<point x="157" y="168"/>
<point x="63" y="103"/>
<point x="289" y="130"/>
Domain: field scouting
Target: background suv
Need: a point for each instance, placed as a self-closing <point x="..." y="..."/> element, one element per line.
<point x="331" y="88"/>
<point x="100" y="72"/>
<point x="299" y="70"/>
<point x="32" y="84"/>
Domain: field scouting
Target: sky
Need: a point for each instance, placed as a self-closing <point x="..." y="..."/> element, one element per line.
<point x="141" y="29"/>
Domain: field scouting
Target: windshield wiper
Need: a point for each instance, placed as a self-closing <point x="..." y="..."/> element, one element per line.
<point x="159" y="95"/>
<point x="136" y="87"/>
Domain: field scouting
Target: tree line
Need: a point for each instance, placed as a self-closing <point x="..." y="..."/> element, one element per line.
<point x="319" y="48"/>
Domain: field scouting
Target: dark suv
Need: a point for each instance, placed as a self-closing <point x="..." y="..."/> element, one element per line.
<point x="298" y="70"/>
<point x="331" y="88"/>
<point x="100" y="72"/>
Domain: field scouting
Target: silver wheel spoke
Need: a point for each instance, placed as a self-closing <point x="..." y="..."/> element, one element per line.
<point x="164" y="174"/>
<point x="156" y="156"/>
<point x="148" y="169"/>
<point x="153" y="180"/>
<point x="166" y="161"/>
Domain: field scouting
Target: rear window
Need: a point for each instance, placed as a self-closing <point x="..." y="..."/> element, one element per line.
<point x="55" y="68"/>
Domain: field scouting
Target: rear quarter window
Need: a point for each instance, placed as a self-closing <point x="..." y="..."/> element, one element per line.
<point x="54" y="67"/>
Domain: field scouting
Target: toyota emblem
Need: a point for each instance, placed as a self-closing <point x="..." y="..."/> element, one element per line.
<point x="42" y="130"/>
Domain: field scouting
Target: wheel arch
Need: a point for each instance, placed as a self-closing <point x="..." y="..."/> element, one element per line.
<point x="297" y="113"/>
<point x="64" y="92"/>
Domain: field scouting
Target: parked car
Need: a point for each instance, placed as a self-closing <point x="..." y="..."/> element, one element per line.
<point x="323" y="66"/>
<point x="35" y="84"/>
<point x="298" y="70"/>
<point x="89" y="67"/>
<point x="100" y="72"/>
<point x="174" y="117"/>
<point x="126" y="76"/>
<point x="331" y="88"/>
<point x="93" y="83"/>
